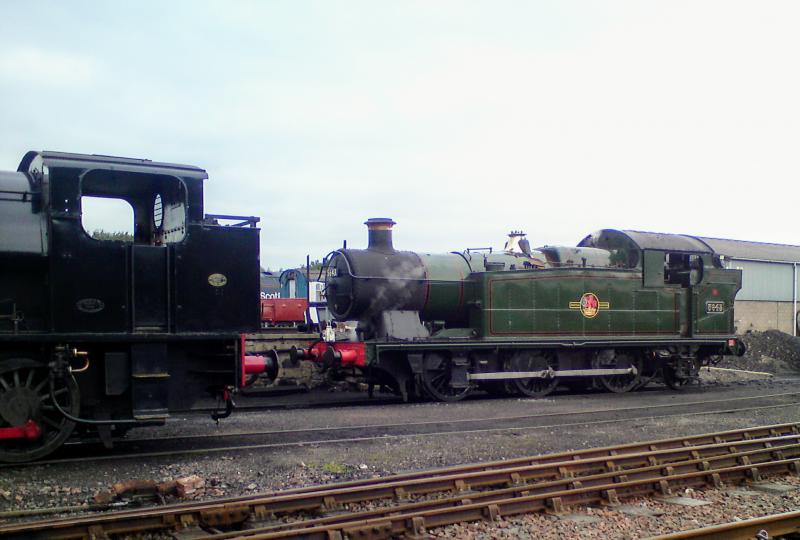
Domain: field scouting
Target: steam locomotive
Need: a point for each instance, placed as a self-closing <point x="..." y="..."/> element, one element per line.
<point x="99" y="335"/>
<point x="104" y="334"/>
<point x="621" y="309"/>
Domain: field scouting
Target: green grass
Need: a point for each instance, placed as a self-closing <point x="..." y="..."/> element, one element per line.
<point x="334" y="468"/>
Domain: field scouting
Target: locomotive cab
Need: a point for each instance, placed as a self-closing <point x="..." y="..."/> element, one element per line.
<point x="122" y="328"/>
<point x="683" y="264"/>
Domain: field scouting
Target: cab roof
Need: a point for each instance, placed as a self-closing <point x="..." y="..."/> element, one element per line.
<point x="110" y="163"/>
<point x="682" y="243"/>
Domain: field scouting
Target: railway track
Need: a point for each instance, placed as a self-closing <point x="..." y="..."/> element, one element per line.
<point x="279" y="398"/>
<point x="765" y="527"/>
<point x="493" y="419"/>
<point x="412" y="503"/>
<point x="216" y="443"/>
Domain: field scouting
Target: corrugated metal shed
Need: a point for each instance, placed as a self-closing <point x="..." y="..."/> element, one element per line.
<point x="739" y="249"/>
<point x="764" y="282"/>
<point x="767" y="269"/>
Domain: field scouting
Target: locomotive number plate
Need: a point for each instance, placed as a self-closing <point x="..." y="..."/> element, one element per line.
<point x="715" y="307"/>
<point x="217" y="280"/>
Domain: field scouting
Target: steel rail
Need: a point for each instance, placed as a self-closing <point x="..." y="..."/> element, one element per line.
<point x="748" y="529"/>
<point x="264" y="446"/>
<point x="654" y="458"/>
<point x="729" y="436"/>
<point x="615" y="477"/>
<point x="657" y="460"/>
<point x="416" y="523"/>
<point x="255" y="394"/>
<point x="462" y="420"/>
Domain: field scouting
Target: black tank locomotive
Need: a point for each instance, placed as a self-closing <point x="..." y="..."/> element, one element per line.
<point x="109" y="334"/>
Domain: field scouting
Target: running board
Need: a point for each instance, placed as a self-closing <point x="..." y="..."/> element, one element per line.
<point x="549" y="374"/>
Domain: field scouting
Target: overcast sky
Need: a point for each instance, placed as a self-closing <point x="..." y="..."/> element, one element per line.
<point x="460" y="120"/>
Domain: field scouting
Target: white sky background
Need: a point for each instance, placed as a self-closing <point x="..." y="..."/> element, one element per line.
<point x="460" y="120"/>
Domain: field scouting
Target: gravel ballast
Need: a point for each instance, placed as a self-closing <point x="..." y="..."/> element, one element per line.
<point x="250" y="472"/>
<point x="733" y="503"/>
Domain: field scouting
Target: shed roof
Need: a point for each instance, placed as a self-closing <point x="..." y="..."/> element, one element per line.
<point x="741" y="249"/>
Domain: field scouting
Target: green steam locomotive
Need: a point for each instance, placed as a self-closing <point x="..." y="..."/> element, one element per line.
<point x="621" y="309"/>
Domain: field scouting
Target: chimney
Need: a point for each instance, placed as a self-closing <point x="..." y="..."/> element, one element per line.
<point x="380" y="234"/>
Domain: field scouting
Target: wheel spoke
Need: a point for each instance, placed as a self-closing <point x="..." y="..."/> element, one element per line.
<point x="621" y="383"/>
<point x="40" y="385"/>
<point x="532" y="361"/>
<point x="45" y="397"/>
<point x="436" y="379"/>
<point x="29" y="383"/>
<point x="51" y="423"/>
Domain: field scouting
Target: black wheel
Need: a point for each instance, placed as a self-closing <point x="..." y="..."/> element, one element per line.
<point x="25" y="396"/>
<point x="437" y="378"/>
<point x="620" y="360"/>
<point x="532" y="361"/>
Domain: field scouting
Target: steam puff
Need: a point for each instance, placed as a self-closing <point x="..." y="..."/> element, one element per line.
<point x="399" y="288"/>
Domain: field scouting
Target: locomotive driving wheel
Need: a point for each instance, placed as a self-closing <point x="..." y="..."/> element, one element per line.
<point x="438" y="381"/>
<point x="532" y="361"/>
<point x="26" y="401"/>
<point x="620" y="360"/>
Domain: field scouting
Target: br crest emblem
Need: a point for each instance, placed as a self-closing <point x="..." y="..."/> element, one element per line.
<point x="589" y="305"/>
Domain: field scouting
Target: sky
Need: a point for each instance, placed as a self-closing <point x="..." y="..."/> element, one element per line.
<point x="460" y="120"/>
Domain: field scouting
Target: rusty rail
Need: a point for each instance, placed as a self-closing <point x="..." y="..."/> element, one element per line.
<point x="762" y="527"/>
<point x="713" y="468"/>
<point x="417" y="522"/>
<point x="567" y="474"/>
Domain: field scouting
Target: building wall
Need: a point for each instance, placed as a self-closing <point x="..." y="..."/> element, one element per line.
<point x="765" y="301"/>
<point x="764" y="281"/>
<point x="763" y="315"/>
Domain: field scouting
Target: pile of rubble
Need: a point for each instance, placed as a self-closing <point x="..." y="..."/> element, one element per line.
<point x="771" y="351"/>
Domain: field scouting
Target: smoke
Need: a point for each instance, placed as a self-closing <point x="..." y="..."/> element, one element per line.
<point x="400" y="287"/>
